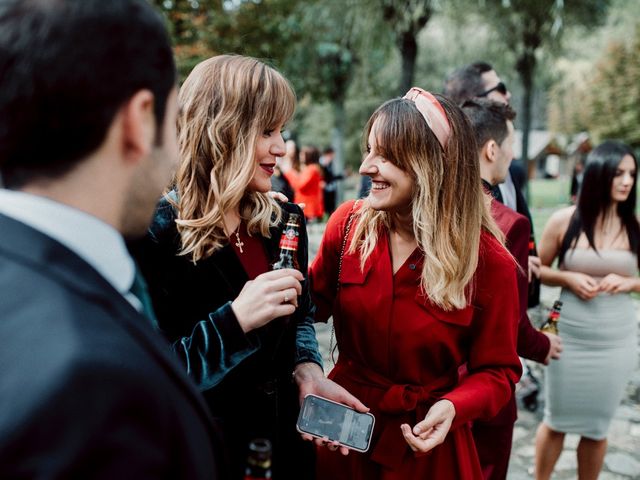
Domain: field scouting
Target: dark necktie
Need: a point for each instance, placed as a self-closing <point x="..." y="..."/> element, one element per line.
<point x="497" y="194"/>
<point x="140" y="290"/>
<point x="494" y="190"/>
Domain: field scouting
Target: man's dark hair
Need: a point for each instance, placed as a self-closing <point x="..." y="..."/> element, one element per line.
<point x="466" y="82"/>
<point x="67" y="67"/>
<point x="328" y="150"/>
<point x="488" y="119"/>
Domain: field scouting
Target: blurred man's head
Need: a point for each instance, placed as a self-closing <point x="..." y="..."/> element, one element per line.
<point x="492" y="124"/>
<point x="68" y="66"/>
<point x="477" y="80"/>
<point x="81" y="78"/>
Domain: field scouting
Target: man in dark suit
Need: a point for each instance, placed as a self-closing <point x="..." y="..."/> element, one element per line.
<point x="493" y="127"/>
<point x="88" y="388"/>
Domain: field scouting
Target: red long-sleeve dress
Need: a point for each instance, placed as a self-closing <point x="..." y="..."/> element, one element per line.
<point x="399" y="353"/>
<point x="307" y="186"/>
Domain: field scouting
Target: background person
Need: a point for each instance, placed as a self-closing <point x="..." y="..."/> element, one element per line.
<point x="493" y="127"/>
<point x="331" y="179"/>
<point x="279" y="183"/>
<point x="412" y="287"/>
<point x="307" y="183"/>
<point x="88" y="388"/>
<point x="576" y="181"/>
<point x="480" y="80"/>
<point x="596" y="243"/>
<point x="240" y="329"/>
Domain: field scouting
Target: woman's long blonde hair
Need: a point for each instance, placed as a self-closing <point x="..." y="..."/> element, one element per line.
<point x="449" y="209"/>
<point x="226" y="103"/>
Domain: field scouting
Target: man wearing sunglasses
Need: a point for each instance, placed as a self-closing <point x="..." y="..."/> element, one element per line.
<point x="481" y="93"/>
<point x="480" y="80"/>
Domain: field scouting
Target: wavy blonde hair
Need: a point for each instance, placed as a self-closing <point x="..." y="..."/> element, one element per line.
<point x="449" y="209"/>
<point x="226" y="102"/>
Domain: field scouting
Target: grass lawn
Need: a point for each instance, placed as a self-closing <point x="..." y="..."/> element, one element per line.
<point x="546" y="196"/>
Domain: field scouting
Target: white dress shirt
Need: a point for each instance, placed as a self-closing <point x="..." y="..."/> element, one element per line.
<point x="508" y="191"/>
<point x="96" y="242"/>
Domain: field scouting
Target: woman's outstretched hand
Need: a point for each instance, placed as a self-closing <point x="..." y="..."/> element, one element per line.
<point x="270" y="295"/>
<point x="431" y="431"/>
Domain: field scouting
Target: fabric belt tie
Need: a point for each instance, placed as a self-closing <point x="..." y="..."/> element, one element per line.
<point x="401" y="403"/>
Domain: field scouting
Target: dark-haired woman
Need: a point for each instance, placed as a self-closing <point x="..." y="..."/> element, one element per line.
<point x="596" y="243"/>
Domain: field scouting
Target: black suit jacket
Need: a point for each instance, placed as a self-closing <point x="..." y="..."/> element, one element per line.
<point x="518" y="175"/>
<point x="87" y="388"/>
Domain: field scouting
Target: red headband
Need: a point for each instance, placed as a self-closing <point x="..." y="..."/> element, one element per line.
<point x="432" y="112"/>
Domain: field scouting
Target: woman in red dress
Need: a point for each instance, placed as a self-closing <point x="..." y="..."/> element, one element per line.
<point x="423" y="296"/>
<point x="308" y="183"/>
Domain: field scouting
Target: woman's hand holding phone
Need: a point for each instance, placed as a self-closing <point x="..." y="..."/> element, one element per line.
<point x="335" y="424"/>
<point x="311" y="380"/>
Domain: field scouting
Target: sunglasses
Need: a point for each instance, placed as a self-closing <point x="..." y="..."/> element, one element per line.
<point x="500" y="88"/>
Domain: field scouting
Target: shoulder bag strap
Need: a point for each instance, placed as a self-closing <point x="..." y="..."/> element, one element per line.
<point x="333" y="345"/>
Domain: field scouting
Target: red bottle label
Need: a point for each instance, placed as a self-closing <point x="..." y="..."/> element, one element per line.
<point x="289" y="239"/>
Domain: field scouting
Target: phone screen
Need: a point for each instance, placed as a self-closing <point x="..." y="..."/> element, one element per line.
<point x="324" y="418"/>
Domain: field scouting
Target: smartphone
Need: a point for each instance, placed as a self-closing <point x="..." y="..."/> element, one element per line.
<point x="321" y="417"/>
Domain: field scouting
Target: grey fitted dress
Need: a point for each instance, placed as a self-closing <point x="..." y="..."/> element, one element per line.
<point x="584" y="388"/>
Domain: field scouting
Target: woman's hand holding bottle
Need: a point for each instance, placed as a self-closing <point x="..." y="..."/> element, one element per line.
<point x="270" y="295"/>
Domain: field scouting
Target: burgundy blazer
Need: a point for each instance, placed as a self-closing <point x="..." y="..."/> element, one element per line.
<point x="532" y="344"/>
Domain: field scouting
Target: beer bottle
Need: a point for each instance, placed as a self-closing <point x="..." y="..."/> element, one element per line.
<point x="288" y="256"/>
<point x="258" y="460"/>
<point x="533" y="297"/>
<point x="551" y="324"/>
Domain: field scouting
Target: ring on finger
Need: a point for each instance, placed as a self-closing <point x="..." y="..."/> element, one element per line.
<point x="286" y="298"/>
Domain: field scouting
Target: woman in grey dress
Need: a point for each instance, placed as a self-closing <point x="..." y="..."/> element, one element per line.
<point x="596" y="243"/>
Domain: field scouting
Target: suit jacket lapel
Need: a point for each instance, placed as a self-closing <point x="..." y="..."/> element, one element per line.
<point x="53" y="259"/>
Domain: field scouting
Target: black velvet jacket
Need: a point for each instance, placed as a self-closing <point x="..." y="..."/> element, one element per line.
<point x="246" y="378"/>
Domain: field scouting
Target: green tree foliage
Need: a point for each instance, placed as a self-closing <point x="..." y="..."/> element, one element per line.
<point x="597" y="79"/>
<point x="406" y="19"/>
<point x="320" y="46"/>
<point x="612" y="97"/>
<point x="190" y="23"/>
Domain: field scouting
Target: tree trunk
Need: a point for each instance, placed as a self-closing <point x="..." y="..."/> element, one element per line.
<point x="409" y="51"/>
<point x="337" y="142"/>
<point x="526" y="68"/>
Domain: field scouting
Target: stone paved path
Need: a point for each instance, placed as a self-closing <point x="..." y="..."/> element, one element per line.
<point x="622" y="461"/>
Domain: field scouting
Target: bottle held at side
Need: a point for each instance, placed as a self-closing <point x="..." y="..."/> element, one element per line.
<point x="288" y="254"/>
<point x="259" y="460"/>
<point x="533" y="297"/>
<point x="551" y="324"/>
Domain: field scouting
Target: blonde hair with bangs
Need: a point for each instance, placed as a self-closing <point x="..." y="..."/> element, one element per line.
<point x="226" y="102"/>
<point x="449" y="208"/>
